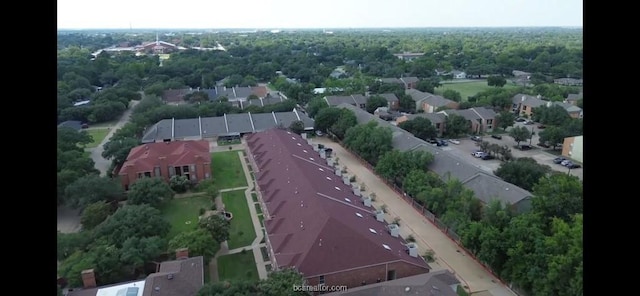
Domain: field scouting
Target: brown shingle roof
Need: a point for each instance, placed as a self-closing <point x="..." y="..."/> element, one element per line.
<point x="144" y="158"/>
<point x="437" y="283"/>
<point x="176" y="278"/>
<point x="313" y="223"/>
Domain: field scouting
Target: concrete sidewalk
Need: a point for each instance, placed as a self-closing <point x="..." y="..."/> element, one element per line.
<point x="428" y="236"/>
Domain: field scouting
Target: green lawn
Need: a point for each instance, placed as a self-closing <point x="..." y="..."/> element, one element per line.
<point x="183" y="213"/>
<point x="98" y="135"/>
<point x="227" y="170"/>
<point x="241" y="233"/>
<point x="238" y="266"/>
<point x="467" y="89"/>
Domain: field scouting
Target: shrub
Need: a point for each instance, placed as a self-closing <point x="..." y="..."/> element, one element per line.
<point x="179" y="184"/>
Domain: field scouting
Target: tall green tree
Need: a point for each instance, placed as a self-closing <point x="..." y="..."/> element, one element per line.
<point x="505" y="119"/>
<point x="151" y="191"/>
<point x="558" y="195"/>
<point x="95" y="213"/>
<point x="369" y="141"/>
<point x="374" y="102"/>
<point x="91" y="189"/>
<point x="420" y="127"/>
<point x="553" y="136"/>
<point x="524" y="172"/>
<point x="132" y="221"/>
<point x="457" y="126"/>
<point x="452" y="95"/>
<point x="519" y="134"/>
<point x="198" y="241"/>
<point x="280" y="283"/>
<point x="217" y="226"/>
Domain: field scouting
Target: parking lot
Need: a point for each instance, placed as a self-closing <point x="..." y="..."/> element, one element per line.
<point x="467" y="146"/>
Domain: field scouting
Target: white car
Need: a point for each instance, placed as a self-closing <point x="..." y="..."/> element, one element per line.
<point x="454" y="141"/>
<point x="478" y="154"/>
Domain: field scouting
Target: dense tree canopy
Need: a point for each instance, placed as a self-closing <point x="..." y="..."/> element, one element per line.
<point x="369" y="140"/>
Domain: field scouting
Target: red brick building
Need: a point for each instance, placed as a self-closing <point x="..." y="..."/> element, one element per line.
<point x="319" y="223"/>
<point x="166" y="159"/>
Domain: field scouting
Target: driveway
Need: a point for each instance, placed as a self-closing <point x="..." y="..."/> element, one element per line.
<point x="96" y="153"/>
<point x="428" y="236"/>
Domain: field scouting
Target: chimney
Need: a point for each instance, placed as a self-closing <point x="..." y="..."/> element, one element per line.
<point x="89" y="278"/>
<point x="182" y="253"/>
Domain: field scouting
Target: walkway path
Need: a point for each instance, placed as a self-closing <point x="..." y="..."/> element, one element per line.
<point x="428" y="236"/>
<point x="96" y="153"/>
<point x="256" y="244"/>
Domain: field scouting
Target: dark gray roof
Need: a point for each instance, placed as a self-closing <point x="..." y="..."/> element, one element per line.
<point x="468" y="114"/>
<point x="76" y="125"/>
<point x="408" y="80"/>
<point x="528" y="100"/>
<point x="389" y="97"/>
<point x="239" y="123"/>
<point x="263" y="121"/>
<point x="447" y="165"/>
<point x="221" y="125"/>
<point x="187" y="278"/>
<point x="390" y="80"/>
<point x="337" y="100"/>
<point x="433" y="100"/>
<point x="360" y="99"/>
<point x="272" y="100"/>
<point x="213" y="126"/>
<point x="187" y="127"/>
<point x="254" y="102"/>
<point x="484" y="112"/>
<point x="436" y="283"/>
<point x="433" y="117"/>
<point x="574" y="97"/>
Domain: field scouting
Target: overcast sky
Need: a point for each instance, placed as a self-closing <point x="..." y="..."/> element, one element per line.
<point x="281" y="14"/>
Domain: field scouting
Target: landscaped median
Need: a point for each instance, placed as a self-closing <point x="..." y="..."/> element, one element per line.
<point x="227" y="170"/>
<point x="242" y="232"/>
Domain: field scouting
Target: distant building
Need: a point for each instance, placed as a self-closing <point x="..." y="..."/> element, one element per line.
<point x="409" y="56"/>
<point x="572" y="148"/>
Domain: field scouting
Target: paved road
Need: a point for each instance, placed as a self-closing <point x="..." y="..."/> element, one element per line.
<point x="96" y="153"/>
<point x="428" y="236"/>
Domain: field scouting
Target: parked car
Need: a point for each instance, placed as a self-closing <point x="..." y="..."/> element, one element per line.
<point x="319" y="133"/>
<point x="499" y="137"/>
<point x="476" y="138"/>
<point x="559" y="160"/>
<point x="528" y="122"/>
<point x="487" y="157"/>
<point x="441" y="143"/>
<point x="542" y="126"/>
<point x="520" y="119"/>
<point x="544" y="145"/>
<point x="565" y="162"/>
<point x="572" y="165"/>
<point x="85" y="125"/>
<point x="478" y="154"/>
<point x="432" y="141"/>
<point x="524" y="147"/>
<point x="454" y="141"/>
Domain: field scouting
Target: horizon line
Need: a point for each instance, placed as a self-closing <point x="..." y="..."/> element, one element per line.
<point x="320" y="28"/>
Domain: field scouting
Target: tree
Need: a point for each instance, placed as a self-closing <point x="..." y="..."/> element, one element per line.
<point x="132" y="221"/>
<point x="326" y="117"/>
<point x="90" y="189"/>
<point x="395" y="165"/>
<point x="217" y="226"/>
<point x="417" y="181"/>
<point x="505" y="119"/>
<point x="369" y="141"/>
<point x="524" y="172"/>
<point x="497" y="81"/>
<point x="69" y="243"/>
<point x="151" y="191"/>
<point x="565" y="258"/>
<point x="552" y="135"/>
<point x="198" y="241"/>
<point x="280" y="283"/>
<point x="452" y="95"/>
<point x="227" y="288"/>
<point x="346" y="120"/>
<point x="95" y="213"/>
<point x="425" y="86"/>
<point x="117" y="150"/>
<point x="315" y="105"/>
<point x="374" y="102"/>
<point x="519" y="134"/>
<point x="420" y="127"/>
<point x="554" y="115"/>
<point x="137" y="251"/>
<point x="297" y="127"/>
<point x="558" y="195"/>
<point x="457" y="125"/>
<point x="179" y="184"/>
<point x="70" y="139"/>
<point x="406" y="103"/>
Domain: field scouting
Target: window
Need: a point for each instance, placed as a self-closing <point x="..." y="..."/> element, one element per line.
<point x="185" y="169"/>
<point x="489" y="121"/>
<point x="524" y="108"/>
<point x="178" y="171"/>
<point x="147" y="174"/>
<point x="362" y="106"/>
<point x="437" y="125"/>
<point x="321" y="280"/>
<point x="391" y="275"/>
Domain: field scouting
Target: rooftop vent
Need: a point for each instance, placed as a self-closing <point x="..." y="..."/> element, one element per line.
<point x="305" y="151"/>
<point x="328" y="178"/>
<point x="359" y="215"/>
<point x="373" y="231"/>
<point x="380" y="215"/>
<point x="299" y="144"/>
<point x="412" y="248"/>
<point x="289" y="133"/>
<point x="337" y="188"/>
<point x="348" y="200"/>
<point x="293" y="138"/>
<point x="320" y="169"/>
<point x="311" y="158"/>
<point x="386" y="247"/>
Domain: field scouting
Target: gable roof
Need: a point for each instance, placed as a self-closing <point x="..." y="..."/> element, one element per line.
<point x="183" y="277"/>
<point x="410" y="79"/>
<point x="389" y="97"/>
<point x="528" y="100"/>
<point x="446" y="164"/>
<point x="351" y="99"/>
<point x="484" y="113"/>
<point x="468" y="114"/>
<point x="574" y="97"/>
<point x="433" y="117"/>
<point x="208" y="127"/>
<point x="429" y="98"/>
<point x="436" y="283"/>
<point x="390" y="80"/>
<point x="145" y="158"/>
<point x="311" y="216"/>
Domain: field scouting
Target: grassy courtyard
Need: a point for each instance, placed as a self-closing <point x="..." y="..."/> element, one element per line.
<point x="242" y="232"/>
<point x="467" y="89"/>
<point x="98" y="135"/>
<point x="183" y="213"/>
<point x="227" y="170"/>
<point x="239" y="266"/>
